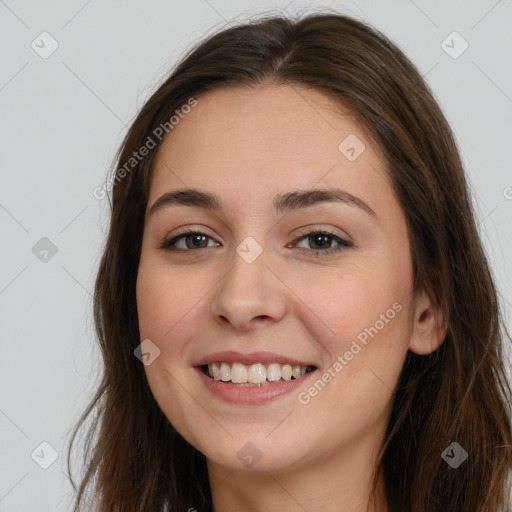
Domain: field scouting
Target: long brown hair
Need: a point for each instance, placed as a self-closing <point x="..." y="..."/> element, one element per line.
<point x="459" y="393"/>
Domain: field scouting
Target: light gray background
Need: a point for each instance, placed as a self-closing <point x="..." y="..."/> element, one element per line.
<point x="62" y="120"/>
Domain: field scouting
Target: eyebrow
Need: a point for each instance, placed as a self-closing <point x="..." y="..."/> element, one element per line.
<point x="282" y="203"/>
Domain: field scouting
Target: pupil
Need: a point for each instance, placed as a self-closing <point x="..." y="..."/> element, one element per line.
<point x="316" y="238"/>
<point x="195" y="238"/>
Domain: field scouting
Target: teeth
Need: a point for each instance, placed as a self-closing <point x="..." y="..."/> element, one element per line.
<point x="286" y="372"/>
<point x="296" y="372"/>
<point x="239" y="373"/>
<point x="257" y="373"/>
<point x="274" y="372"/>
<point x="214" y="371"/>
<point x="225" y="372"/>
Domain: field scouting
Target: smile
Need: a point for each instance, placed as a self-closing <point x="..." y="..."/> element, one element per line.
<point x="256" y="374"/>
<point x="252" y="378"/>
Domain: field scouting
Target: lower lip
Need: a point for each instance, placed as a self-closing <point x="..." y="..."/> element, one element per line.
<point x="251" y="395"/>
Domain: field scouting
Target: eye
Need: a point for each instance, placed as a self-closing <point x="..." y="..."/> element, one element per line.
<point x="323" y="238"/>
<point x="192" y="240"/>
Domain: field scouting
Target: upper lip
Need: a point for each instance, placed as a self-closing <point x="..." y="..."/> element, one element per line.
<point x="230" y="356"/>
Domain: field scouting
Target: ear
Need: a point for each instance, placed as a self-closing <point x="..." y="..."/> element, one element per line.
<point x="429" y="327"/>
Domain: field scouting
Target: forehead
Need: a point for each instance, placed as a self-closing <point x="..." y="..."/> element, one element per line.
<point x="271" y="137"/>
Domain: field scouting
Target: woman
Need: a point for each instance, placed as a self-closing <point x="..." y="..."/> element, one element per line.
<point x="294" y="306"/>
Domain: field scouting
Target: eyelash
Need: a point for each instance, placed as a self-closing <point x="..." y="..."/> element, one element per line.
<point x="343" y="244"/>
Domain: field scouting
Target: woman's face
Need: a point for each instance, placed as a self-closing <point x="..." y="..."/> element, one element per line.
<point x="261" y="293"/>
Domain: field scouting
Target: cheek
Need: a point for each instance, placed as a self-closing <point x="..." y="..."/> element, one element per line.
<point x="165" y="299"/>
<point x="361" y="322"/>
<point x="167" y="305"/>
<point x="354" y="306"/>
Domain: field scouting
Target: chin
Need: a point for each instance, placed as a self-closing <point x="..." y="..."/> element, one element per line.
<point x="255" y="453"/>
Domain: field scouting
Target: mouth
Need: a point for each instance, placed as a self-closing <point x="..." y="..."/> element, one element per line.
<point x="255" y="375"/>
<point x="254" y="378"/>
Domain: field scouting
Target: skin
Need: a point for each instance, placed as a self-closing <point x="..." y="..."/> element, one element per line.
<point x="246" y="146"/>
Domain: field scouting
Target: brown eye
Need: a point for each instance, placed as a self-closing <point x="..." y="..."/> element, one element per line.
<point x="193" y="240"/>
<point x="320" y="242"/>
<point x="320" y="239"/>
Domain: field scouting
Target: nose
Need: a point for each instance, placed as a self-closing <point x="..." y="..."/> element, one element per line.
<point x="249" y="295"/>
